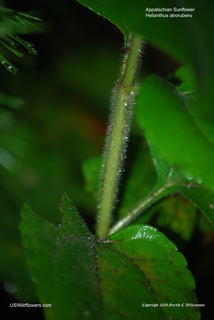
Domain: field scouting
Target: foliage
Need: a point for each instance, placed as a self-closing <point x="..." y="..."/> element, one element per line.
<point x="13" y="24"/>
<point x="101" y="278"/>
<point x="168" y="180"/>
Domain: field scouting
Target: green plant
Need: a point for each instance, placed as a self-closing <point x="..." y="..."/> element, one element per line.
<point x="110" y="276"/>
<point x="12" y="25"/>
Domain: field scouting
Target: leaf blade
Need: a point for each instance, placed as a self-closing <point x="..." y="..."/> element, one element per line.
<point x="176" y="138"/>
<point x="105" y="9"/>
<point x="158" y="271"/>
<point x="104" y="280"/>
<point x="192" y="44"/>
<point x="62" y="264"/>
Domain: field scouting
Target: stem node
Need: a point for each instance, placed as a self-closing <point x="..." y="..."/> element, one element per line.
<point x="117" y="136"/>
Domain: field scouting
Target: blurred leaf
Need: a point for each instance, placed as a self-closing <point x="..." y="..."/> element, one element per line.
<point x="11" y="101"/>
<point x="188" y="83"/>
<point x="36" y="165"/>
<point x="205" y="225"/>
<point x="178" y="215"/>
<point x="91" y="172"/>
<point x="203" y="198"/>
<point x="18" y="54"/>
<point x="12" y="24"/>
<point x="82" y="73"/>
<point x="139" y="182"/>
<point x="8" y="65"/>
<point x="172" y="131"/>
<point x="15" y="22"/>
<point x="67" y="263"/>
<point x="12" y="254"/>
<point x="26" y="44"/>
<point x="7" y="160"/>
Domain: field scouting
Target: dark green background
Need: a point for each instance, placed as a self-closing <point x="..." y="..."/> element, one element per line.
<point x="66" y="91"/>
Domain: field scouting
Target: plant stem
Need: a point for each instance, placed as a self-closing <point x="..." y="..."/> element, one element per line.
<point x="134" y="213"/>
<point x="117" y="136"/>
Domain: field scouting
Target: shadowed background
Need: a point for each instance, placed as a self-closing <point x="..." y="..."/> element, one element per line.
<point x="58" y="122"/>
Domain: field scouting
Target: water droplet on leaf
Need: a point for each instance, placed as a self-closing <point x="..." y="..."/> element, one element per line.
<point x="189" y="176"/>
<point x="199" y="180"/>
<point x="211" y="206"/>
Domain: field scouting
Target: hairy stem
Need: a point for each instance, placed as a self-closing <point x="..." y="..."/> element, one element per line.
<point x="117" y="136"/>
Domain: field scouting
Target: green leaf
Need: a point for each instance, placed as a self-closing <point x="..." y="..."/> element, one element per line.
<point x="176" y="138"/>
<point x="188" y="84"/>
<point x="73" y="224"/>
<point x="202" y="198"/>
<point x="178" y="147"/>
<point x="12" y="24"/>
<point x="159" y="272"/>
<point x="204" y="225"/>
<point x="105" y="9"/>
<point x="8" y="65"/>
<point x="27" y="45"/>
<point x="11" y="102"/>
<point x="186" y="39"/>
<point x="105" y="279"/>
<point x="174" y="143"/>
<point x="62" y="263"/>
<point x="14" y="271"/>
<point x="85" y="77"/>
<point x="139" y="181"/>
<point x="178" y="215"/>
<point x="17" y="53"/>
<point x="91" y="172"/>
